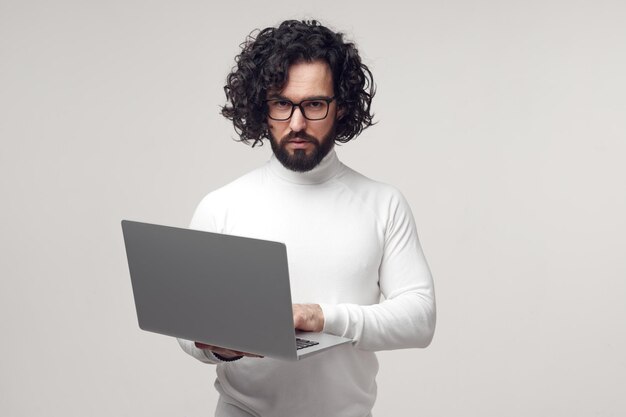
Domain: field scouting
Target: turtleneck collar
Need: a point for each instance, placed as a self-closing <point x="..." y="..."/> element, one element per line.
<point x="328" y="168"/>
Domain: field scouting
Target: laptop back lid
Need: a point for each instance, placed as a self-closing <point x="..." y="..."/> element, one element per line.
<point x="189" y="284"/>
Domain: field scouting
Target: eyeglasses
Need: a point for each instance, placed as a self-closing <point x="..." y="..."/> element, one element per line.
<point x="314" y="109"/>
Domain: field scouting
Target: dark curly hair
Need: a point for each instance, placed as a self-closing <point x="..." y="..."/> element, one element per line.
<point x="263" y="65"/>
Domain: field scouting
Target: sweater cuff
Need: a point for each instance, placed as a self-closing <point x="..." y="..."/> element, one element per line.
<point x="224" y="358"/>
<point x="335" y="319"/>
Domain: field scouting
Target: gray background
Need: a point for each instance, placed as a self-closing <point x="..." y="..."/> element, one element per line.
<point x="502" y="122"/>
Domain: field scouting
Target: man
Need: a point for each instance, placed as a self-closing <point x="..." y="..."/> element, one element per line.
<point x="350" y="239"/>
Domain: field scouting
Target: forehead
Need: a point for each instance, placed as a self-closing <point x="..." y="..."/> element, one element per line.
<point x="308" y="79"/>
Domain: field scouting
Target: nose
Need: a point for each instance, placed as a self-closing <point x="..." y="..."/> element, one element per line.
<point x="297" y="122"/>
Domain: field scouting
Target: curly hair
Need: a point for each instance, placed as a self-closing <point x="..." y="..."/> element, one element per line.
<point x="263" y="65"/>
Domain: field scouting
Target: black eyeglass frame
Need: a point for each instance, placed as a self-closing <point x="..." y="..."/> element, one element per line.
<point x="328" y="100"/>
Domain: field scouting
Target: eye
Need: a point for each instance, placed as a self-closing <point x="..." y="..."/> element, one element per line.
<point x="315" y="104"/>
<point x="280" y="104"/>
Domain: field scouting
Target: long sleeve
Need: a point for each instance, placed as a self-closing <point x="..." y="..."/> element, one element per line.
<point x="406" y="318"/>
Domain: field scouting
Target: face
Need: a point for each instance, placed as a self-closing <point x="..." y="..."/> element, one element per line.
<point x="301" y="144"/>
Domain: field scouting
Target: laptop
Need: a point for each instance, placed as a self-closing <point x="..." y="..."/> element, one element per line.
<point x="217" y="289"/>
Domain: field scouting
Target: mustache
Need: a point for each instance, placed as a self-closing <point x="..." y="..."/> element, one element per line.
<point x="299" y="135"/>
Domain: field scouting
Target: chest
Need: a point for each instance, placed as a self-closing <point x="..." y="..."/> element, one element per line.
<point x="334" y="241"/>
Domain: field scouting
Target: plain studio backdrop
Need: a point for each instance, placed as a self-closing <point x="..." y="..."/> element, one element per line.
<point x="502" y="122"/>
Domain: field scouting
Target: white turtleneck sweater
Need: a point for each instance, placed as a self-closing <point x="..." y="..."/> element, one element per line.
<point x="349" y="240"/>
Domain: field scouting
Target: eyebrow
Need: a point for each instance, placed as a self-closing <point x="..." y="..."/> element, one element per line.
<point x="281" y="97"/>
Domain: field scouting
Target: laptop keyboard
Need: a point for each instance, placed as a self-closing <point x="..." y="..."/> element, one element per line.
<point x="303" y="343"/>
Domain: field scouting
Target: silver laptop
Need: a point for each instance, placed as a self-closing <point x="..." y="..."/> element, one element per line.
<point x="217" y="289"/>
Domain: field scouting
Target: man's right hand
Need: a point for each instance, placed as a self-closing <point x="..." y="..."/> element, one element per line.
<point x="227" y="353"/>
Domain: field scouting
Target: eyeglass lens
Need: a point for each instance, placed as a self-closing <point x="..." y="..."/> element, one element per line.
<point x="311" y="109"/>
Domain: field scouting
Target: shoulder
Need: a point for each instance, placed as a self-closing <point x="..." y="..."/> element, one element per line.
<point x="385" y="201"/>
<point x="371" y="190"/>
<point x="236" y="188"/>
<point x="215" y="204"/>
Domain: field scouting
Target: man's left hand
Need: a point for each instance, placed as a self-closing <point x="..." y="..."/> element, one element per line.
<point x="308" y="317"/>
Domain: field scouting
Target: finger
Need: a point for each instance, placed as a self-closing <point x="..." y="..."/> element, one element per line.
<point x="200" y="345"/>
<point x="239" y="353"/>
<point x="232" y="353"/>
<point x="224" y="351"/>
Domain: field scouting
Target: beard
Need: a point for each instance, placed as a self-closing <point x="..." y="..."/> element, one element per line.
<point x="299" y="161"/>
